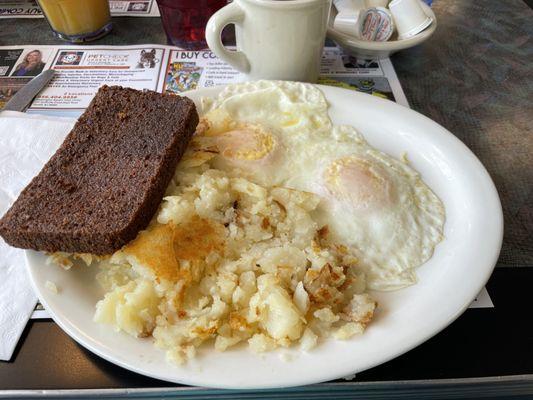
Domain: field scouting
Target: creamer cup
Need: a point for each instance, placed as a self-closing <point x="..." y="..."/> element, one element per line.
<point x="348" y="15"/>
<point x="375" y="24"/>
<point x="347" y="22"/>
<point x="409" y="17"/>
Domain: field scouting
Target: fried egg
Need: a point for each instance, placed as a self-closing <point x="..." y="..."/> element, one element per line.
<point x="377" y="206"/>
<point x="258" y="130"/>
<point x="244" y="149"/>
<point x="289" y="105"/>
<point x="280" y="134"/>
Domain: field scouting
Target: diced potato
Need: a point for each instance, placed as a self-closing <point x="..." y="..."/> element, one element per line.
<point x="308" y="340"/>
<point x="283" y="318"/>
<point x="261" y="343"/>
<point x="348" y="330"/>
<point x="301" y="298"/>
<point x="228" y="260"/>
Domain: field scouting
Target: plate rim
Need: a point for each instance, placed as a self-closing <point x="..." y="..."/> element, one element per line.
<point x="72" y="331"/>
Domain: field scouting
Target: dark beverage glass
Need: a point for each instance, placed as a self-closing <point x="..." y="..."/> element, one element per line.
<point x="184" y="21"/>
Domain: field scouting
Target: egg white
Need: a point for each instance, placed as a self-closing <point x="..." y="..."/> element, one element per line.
<point x="280" y="134"/>
<point x="259" y="129"/>
<point x="376" y="205"/>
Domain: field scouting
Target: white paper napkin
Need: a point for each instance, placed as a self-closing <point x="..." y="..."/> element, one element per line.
<point x="26" y="144"/>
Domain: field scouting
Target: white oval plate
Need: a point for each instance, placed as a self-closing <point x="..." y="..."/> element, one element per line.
<point x="448" y="282"/>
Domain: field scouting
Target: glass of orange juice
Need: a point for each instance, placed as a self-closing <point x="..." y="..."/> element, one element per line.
<point x="77" y="21"/>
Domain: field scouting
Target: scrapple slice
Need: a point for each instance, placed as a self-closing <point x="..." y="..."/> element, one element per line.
<point x="106" y="181"/>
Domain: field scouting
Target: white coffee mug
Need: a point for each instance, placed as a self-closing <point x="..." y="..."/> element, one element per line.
<point x="276" y="39"/>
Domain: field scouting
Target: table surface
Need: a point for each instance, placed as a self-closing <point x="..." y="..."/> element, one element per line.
<point x="474" y="77"/>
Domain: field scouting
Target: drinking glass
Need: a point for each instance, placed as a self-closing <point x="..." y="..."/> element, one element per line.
<point x="77" y="21"/>
<point x="184" y="21"/>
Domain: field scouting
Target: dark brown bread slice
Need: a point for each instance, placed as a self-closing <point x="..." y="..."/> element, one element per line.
<point x="105" y="182"/>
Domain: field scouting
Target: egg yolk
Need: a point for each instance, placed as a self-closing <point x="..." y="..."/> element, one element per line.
<point x="358" y="182"/>
<point x="246" y="144"/>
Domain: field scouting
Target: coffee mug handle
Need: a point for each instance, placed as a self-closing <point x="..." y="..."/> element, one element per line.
<point x="230" y="14"/>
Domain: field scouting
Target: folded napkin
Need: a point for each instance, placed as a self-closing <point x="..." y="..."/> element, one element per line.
<point x="26" y="144"/>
